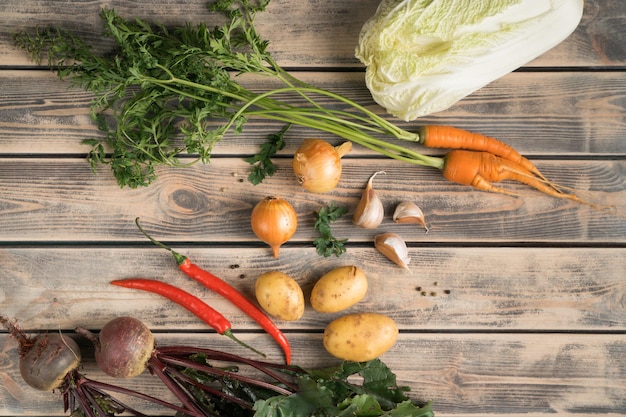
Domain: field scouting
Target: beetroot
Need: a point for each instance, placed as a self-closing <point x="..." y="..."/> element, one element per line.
<point x="124" y="347"/>
<point x="51" y="357"/>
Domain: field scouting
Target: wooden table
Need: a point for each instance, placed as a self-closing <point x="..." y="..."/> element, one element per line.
<point x="514" y="305"/>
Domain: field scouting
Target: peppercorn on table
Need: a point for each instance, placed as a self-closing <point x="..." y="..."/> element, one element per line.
<point x="511" y="305"/>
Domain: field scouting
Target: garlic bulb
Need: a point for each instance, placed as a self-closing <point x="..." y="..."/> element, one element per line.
<point x="409" y="212"/>
<point x="393" y="247"/>
<point x="369" y="212"/>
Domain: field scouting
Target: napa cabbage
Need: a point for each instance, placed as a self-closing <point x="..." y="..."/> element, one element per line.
<point x="422" y="56"/>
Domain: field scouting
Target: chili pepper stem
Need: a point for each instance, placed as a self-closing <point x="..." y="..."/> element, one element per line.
<point x="177" y="256"/>
<point x="230" y="334"/>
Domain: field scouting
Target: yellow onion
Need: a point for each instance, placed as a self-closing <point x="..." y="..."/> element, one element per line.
<point x="274" y="221"/>
<point x="317" y="164"/>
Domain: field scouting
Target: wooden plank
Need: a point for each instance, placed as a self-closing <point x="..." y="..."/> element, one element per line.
<point x="576" y="113"/>
<point x="514" y="305"/>
<point x="212" y="203"/>
<point x="463" y="374"/>
<point x="301" y="33"/>
<point x="451" y="289"/>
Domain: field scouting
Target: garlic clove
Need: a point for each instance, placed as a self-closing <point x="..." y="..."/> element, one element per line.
<point x="409" y="212"/>
<point x="369" y="212"/>
<point x="393" y="247"/>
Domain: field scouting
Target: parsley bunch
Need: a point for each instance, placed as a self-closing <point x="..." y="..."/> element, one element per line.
<point x="163" y="91"/>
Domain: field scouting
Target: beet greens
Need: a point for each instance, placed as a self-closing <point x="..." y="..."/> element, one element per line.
<point x="290" y="391"/>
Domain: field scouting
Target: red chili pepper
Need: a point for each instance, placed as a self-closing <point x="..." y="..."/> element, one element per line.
<point x="227" y="291"/>
<point x="192" y="303"/>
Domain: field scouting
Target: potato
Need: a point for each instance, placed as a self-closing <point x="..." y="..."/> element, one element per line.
<point x="360" y="337"/>
<point x="280" y="295"/>
<point x="339" y="289"/>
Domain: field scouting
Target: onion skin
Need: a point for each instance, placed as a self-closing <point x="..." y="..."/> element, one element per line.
<point x="51" y="357"/>
<point x="274" y="221"/>
<point x="124" y="347"/>
<point x="317" y="164"/>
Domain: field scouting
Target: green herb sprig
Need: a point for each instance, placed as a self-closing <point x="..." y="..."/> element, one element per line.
<point x="262" y="164"/>
<point x="327" y="244"/>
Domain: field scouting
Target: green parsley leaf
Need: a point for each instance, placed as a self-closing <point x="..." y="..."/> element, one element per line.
<point x="262" y="163"/>
<point x="327" y="244"/>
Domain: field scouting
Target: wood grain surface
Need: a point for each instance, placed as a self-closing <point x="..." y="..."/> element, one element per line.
<point x="514" y="305"/>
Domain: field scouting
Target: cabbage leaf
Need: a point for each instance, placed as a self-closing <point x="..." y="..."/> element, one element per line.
<point x="423" y="56"/>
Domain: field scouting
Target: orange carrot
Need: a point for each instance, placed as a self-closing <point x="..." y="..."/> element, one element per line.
<point x="453" y="138"/>
<point x="481" y="169"/>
